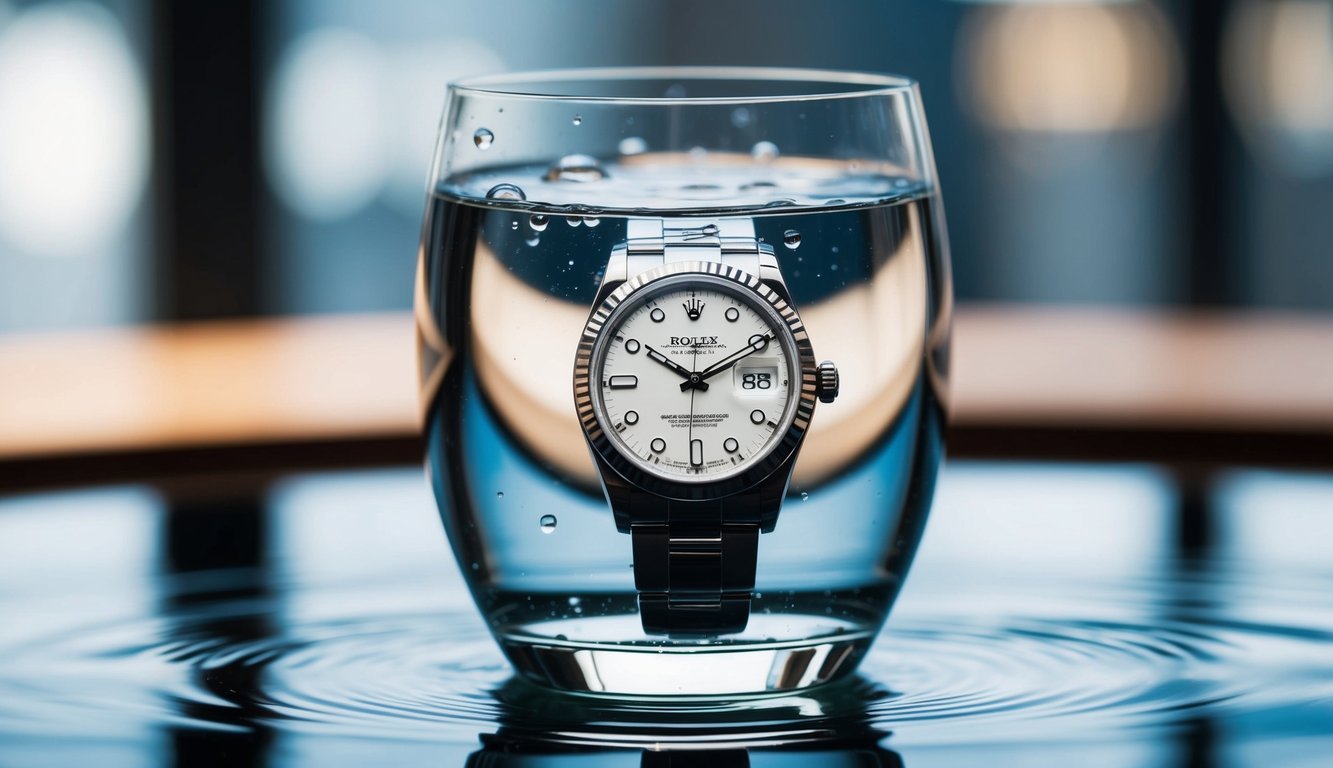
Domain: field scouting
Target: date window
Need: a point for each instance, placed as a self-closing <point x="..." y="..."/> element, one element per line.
<point x="755" y="380"/>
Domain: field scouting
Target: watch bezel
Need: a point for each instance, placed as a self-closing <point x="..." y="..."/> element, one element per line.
<point x="783" y="447"/>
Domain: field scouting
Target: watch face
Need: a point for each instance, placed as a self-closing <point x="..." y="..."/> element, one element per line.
<point x="695" y="378"/>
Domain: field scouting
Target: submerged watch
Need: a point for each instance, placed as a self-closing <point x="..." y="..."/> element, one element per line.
<point x="695" y="382"/>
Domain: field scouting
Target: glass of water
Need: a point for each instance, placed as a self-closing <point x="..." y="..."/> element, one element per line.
<point x="538" y="180"/>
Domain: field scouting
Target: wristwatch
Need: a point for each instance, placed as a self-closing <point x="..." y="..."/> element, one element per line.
<point x="695" y="382"/>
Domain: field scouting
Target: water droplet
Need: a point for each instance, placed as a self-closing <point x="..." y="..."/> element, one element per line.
<point x="833" y="267"/>
<point x="591" y="221"/>
<point x="533" y="241"/>
<point x="574" y="601"/>
<point x="548" y="523"/>
<point x="499" y="494"/>
<point x="538" y="222"/>
<point x="836" y="201"/>
<point x="792" y="239"/>
<point x="633" y="145"/>
<point x="576" y="168"/>
<point x="483" y="138"/>
<point x="578" y="120"/>
<point x="764" y="152"/>
<point x="513" y="224"/>
<point x="573" y="221"/>
<point x="571" y="262"/>
<point x="476" y="566"/>
<point x="805" y="496"/>
<point x="506" y="191"/>
<point x="740" y="117"/>
<point x="697" y="154"/>
<point x="758" y="185"/>
<point x="562" y="637"/>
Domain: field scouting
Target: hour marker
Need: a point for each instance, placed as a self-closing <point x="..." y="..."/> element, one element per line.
<point x="696" y="452"/>
<point x="772" y="425"/>
<point x="632" y="346"/>
<point x="757" y="416"/>
<point x="623" y="382"/>
<point x="730" y="445"/>
<point x="658" y="445"/>
<point x="620" y="426"/>
<point x="657" y="315"/>
<point x="631" y="417"/>
<point x="732" y="314"/>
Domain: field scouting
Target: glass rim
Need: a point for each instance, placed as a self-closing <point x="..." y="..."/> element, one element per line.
<point x="855" y="84"/>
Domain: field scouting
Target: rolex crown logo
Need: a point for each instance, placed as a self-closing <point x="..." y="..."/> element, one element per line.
<point x="693" y="308"/>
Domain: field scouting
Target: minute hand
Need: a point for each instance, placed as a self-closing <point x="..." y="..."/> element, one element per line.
<point x="756" y="343"/>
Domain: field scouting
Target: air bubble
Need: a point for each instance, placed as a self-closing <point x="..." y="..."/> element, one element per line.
<point x="483" y="138"/>
<point x="697" y="153"/>
<point x="548" y="523"/>
<point x="578" y="120"/>
<point x="675" y="91"/>
<point x="573" y="221"/>
<point x="533" y="241"/>
<point x="591" y="221"/>
<point x="805" y="496"/>
<point x="513" y="224"/>
<point x="506" y="191"/>
<point x="792" y="239"/>
<point x="576" y="168"/>
<point x="499" y="494"/>
<point x="740" y="117"/>
<point x="538" y="222"/>
<point x="764" y="152"/>
<point x="633" y="145"/>
<point x="574" y="601"/>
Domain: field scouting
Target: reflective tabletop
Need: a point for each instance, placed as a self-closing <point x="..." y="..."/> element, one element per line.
<point x="1052" y="616"/>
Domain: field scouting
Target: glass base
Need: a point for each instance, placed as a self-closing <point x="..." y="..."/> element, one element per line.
<point x="727" y="666"/>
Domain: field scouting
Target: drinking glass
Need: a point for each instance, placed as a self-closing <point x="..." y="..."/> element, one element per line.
<point x="534" y="181"/>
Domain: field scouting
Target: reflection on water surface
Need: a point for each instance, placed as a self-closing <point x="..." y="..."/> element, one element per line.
<point x="1047" y="620"/>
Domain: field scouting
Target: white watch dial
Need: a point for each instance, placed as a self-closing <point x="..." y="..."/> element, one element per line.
<point x="695" y="379"/>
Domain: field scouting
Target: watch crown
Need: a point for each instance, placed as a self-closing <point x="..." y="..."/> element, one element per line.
<point x="826" y="386"/>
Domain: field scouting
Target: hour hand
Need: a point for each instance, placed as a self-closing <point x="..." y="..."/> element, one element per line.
<point x="680" y="370"/>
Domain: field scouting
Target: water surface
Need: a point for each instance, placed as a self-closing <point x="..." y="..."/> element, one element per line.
<point x="326" y="624"/>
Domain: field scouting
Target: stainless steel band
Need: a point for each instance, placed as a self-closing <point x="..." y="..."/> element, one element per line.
<point x="694" y="568"/>
<point x="654" y="242"/>
<point x="694" y="561"/>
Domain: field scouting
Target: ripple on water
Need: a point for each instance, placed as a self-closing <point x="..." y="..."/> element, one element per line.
<point x="434" y="673"/>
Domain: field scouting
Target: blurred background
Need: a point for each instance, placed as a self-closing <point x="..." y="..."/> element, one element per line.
<point x="162" y="161"/>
